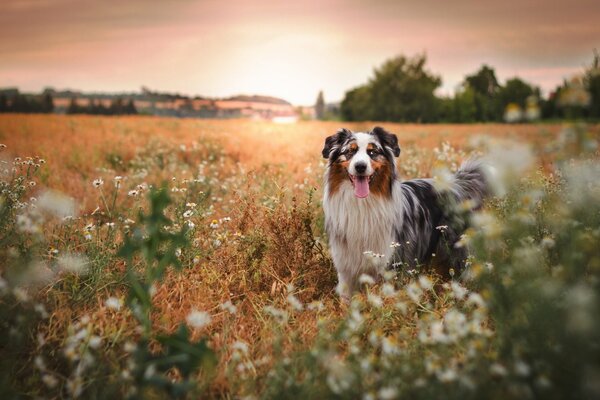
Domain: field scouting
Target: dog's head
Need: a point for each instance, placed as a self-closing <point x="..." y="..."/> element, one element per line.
<point x="365" y="159"/>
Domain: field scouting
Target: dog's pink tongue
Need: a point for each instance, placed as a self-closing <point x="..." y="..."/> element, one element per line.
<point x="361" y="187"/>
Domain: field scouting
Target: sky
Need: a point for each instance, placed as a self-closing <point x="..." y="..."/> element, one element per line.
<point x="288" y="49"/>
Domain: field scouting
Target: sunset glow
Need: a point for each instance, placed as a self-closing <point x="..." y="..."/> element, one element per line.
<point x="284" y="49"/>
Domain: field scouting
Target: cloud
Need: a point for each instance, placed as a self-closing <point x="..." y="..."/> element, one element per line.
<point x="289" y="49"/>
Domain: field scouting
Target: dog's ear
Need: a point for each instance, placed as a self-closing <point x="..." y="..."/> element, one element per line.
<point x="335" y="140"/>
<point x="387" y="139"/>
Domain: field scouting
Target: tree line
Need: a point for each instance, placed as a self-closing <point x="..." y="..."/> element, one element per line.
<point x="403" y="90"/>
<point x="20" y="103"/>
<point x="117" y="106"/>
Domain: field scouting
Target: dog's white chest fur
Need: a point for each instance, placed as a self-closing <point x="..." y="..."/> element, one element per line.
<point x="355" y="226"/>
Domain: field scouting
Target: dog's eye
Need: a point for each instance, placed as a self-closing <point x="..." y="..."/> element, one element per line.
<point x="372" y="152"/>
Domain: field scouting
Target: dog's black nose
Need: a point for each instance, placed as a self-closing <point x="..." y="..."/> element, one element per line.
<point x="360" y="167"/>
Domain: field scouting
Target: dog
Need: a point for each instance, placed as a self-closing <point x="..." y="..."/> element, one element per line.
<point x="375" y="221"/>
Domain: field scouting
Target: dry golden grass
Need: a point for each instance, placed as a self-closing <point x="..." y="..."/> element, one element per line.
<point x="75" y="146"/>
<point x="251" y="272"/>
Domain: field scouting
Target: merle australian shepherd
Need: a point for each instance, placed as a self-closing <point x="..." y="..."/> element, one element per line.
<point x="368" y="209"/>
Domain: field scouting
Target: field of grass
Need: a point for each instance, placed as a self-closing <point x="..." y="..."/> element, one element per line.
<point x="149" y="257"/>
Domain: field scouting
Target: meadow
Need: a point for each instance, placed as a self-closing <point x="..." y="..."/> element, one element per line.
<point x="145" y="257"/>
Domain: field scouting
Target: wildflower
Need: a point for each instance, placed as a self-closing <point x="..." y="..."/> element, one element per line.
<point x="39" y="363"/>
<point x="339" y="376"/>
<point x="389" y="346"/>
<point x="49" y="380"/>
<point x="476" y="300"/>
<point x="295" y="302"/>
<point x="198" y="319"/>
<point x="113" y="303"/>
<point x="73" y="263"/>
<point x="522" y="369"/>
<point x="214" y="224"/>
<point x="190" y="225"/>
<point x="188" y="214"/>
<point x="228" y="306"/>
<point x="316" y="306"/>
<point x="395" y="244"/>
<point x="548" y="243"/>
<point x="133" y="193"/>
<point x="458" y="291"/>
<point x="129" y="347"/>
<point x="387" y="393"/>
<point x="21" y="295"/>
<point x="443" y="180"/>
<point x="110" y="225"/>
<point x="280" y="315"/>
<point x="240" y="346"/>
<point x="375" y="300"/>
<point x="442" y="228"/>
<point x="387" y="290"/>
<point x="40" y="309"/>
<point x="95" y="342"/>
<point x="118" y="180"/>
<point x="57" y="203"/>
<point x="498" y="370"/>
<point x="32" y="183"/>
<point x="414" y="292"/>
<point x="190" y="205"/>
<point x="366" y="279"/>
<point x="425" y="282"/>
<point x="447" y="375"/>
<point x="98" y="182"/>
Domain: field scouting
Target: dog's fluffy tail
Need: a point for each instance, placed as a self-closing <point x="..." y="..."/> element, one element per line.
<point x="471" y="183"/>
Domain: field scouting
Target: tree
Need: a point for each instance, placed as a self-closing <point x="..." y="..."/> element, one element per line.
<point x="130" y="108"/>
<point x="3" y="103"/>
<point x="401" y="90"/>
<point x="47" y="103"/>
<point x="73" y="107"/>
<point x="356" y="105"/>
<point x="592" y="84"/>
<point x="465" y="105"/>
<point x="320" y="106"/>
<point x="485" y="87"/>
<point x="516" y="91"/>
<point x="116" y="106"/>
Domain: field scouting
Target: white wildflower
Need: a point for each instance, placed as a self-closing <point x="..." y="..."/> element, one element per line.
<point x="425" y="282"/>
<point x="295" y="302"/>
<point x="240" y="346"/>
<point x="476" y="300"/>
<point x="95" y="342"/>
<point x="498" y="370"/>
<point x="458" y="291"/>
<point x="228" y="306"/>
<point x="98" y="182"/>
<point x="366" y="279"/>
<point x="73" y="263"/>
<point x="198" y="319"/>
<point x="113" y="303"/>
<point x="49" y="380"/>
<point x="387" y="393"/>
<point x="57" y="203"/>
<point x="414" y="292"/>
<point x="188" y="213"/>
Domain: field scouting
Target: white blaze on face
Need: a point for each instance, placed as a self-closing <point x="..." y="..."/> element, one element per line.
<point x="361" y="180"/>
<point x="361" y="156"/>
